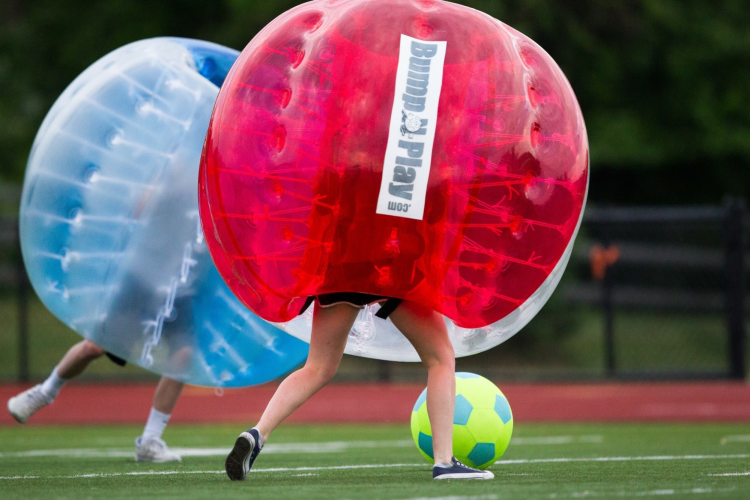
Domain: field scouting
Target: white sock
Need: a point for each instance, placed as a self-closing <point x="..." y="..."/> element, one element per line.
<point x="53" y="384"/>
<point x="157" y="422"/>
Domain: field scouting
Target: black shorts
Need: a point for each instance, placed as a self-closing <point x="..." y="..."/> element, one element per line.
<point x="355" y="299"/>
<point x="116" y="360"/>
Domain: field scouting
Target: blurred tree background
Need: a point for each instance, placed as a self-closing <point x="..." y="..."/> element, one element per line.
<point x="663" y="84"/>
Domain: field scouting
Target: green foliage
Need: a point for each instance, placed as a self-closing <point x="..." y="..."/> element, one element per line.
<point x="45" y="44"/>
<point x="663" y="85"/>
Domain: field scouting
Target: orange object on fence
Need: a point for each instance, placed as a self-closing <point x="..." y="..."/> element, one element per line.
<point x="601" y="258"/>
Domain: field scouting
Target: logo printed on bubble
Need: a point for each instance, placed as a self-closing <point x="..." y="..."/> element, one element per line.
<point x="411" y="135"/>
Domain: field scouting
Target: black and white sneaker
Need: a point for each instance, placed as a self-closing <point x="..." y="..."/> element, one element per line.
<point x="245" y="451"/>
<point x="457" y="470"/>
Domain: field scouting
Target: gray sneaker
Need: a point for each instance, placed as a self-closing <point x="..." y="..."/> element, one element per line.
<point x="154" y="449"/>
<point x="458" y="470"/>
<point x="30" y="401"/>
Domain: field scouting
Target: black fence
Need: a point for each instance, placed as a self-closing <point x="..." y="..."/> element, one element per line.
<point x="13" y="276"/>
<point x="689" y="262"/>
<point x="649" y="293"/>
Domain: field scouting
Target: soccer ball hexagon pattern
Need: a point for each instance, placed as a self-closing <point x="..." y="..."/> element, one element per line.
<point x="482" y="422"/>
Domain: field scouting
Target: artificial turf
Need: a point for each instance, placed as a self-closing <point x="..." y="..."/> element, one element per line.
<point x="632" y="461"/>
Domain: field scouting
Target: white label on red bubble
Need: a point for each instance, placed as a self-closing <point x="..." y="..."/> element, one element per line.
<point x="411" y="135"/>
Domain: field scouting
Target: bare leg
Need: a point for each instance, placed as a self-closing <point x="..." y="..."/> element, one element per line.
<point x="331" y="327"/>
<point x="166" y="395"/>
<point x="150" y="447"/>
<point x="426" y="331"/>
<point x="78" y="358"/>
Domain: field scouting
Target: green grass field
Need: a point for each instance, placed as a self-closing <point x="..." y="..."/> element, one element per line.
<point x="380" y="462"/>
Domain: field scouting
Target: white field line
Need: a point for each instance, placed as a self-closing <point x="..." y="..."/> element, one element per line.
<point x="338" y="467"/>
<point x="633" y="494"/>
<point x="385" y="466"/>
<point x="292" y="448"/>
<point x="178" y="472"/>
<point x="324" y="447"/>
<point x="589" y="493"/>
<point x="459" y="497"/>
<point x="73" y="453"/>
<point x="742" y="438"/>
<point x="621" y="459"/>
<point x="548" y="440"/>
<point x="731" y="474"/>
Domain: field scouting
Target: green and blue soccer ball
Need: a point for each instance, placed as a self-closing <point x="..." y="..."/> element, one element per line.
<point x="482" y="422"/>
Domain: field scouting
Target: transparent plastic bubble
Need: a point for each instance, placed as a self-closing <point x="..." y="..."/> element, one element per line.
<point x="372" y="337"/>
<point x="419" y="150"/>
<point x="110" y="231"/>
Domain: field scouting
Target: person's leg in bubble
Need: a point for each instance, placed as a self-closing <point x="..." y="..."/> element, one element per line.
<point x="149" y="447"/>
<point x="427" y="332"/>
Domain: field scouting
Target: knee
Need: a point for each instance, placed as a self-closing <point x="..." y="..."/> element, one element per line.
<point x="441" y="357"/>
<point x="91" y="351"/>
<point x="171" y="384"/>
<point x="447" y="362"/>
<point x="181" y="358"/>
<point x="321" y="374"/>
